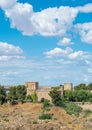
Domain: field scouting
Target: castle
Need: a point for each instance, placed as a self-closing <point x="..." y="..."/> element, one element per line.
<point x="42" y="91"/>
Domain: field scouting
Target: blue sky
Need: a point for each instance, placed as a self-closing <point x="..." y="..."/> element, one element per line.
<point x="45" y="41"/>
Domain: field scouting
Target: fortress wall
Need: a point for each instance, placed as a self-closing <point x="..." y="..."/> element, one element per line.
<point x="42" y="91"/>
<point x="43" y="94"/>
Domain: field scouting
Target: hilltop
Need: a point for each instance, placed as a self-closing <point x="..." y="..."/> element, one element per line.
<point x="25" y="117"/>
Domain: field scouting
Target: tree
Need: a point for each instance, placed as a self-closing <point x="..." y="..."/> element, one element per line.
<point x="81" y="86"/>
<point x="2" y="95"/>
<point x="80" y="95"/>
<point x="68" y="94"/>
<point x="90" y="97"/>
<point x="89" y="87"/>
<point x="55" y="94"/>
<point x="21" y="92"/>
<point x="12" y="94"/>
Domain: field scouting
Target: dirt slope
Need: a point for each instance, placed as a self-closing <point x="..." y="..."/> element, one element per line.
<point x="25" y="117"/>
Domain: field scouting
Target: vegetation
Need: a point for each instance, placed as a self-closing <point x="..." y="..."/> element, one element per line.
<point x="2" y="95"/>
<point x="87" y="113"/>
<point x="81" y="86"/>
<point x="81" y="93"/>
<point x="70" y="107"/>
<point x="45" y="116"/>
<point x="69" y="95"/>
<point x="55" y="94"/>
<point x="17" y="93"/>
<point x="21" y="92"/>
<point x="28" y="98"/>
<point x="34" y="122"/>
<point x="46" y="104"/>
<point x="12" y="94"/>
<point x="34" y="97"/>
<point x="89" y="87"/>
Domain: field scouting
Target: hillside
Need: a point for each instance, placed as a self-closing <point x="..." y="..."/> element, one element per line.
<point x="25" y="117"/>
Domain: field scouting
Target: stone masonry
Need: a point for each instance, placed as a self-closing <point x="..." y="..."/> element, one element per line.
<point x="42" y="91"/>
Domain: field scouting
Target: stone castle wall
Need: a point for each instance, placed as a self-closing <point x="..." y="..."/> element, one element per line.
<point x="42" y="91"/>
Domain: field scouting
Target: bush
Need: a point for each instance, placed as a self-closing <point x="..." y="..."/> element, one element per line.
<point x="87" y="112"/>
<point x="2" y="95"/>
<point x="45" y="116"/>
<point x="7" y="120"/>
<point x="34" y="97"/>
<point x="28" y="98"/>
<point x="72" y="108"/>
<point x="34" y="122"/>
<point x="46" y="104"/>
<point x="90" y="100"/>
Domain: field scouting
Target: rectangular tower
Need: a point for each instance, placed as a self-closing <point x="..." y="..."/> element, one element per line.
<point x="68" y="86"/>
<point x="31" y="87"/>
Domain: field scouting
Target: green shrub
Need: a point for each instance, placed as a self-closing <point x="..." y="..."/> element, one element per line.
<point x="46" y="105"/>
<point x="90" y="100"/>
<point x="34" y="97"/>
<point x="45" y="116"/>
<point x="28" y="98"/>
<point x="72" y="108"/>
<point x="34" y="122"/>
<point x="7" y="120"/>
<point x="87" y="112"/>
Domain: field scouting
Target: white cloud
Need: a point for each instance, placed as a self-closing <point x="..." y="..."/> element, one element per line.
<point x="85" y="31"/>
<point x="76" y="55"/>
<point x="8" y="51"/>
<point x="54" y="21"/>
<point x="65" y="42"/>
<point x="86" y="8"/>
<point x="19" y="16"/>
<point x="58" y="52"/>
<point x="80" y="57"/>
<point x="48" y="22"/>
<point x="5" y="4"/>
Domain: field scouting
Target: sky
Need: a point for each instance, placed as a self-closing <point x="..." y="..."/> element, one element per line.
<point x="49" y="41"/>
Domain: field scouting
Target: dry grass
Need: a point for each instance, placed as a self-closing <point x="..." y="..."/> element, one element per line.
<point x="27" y="112"/>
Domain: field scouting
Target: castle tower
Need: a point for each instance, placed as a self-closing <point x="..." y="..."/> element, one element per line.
<point x="31" y="87"/>
<point x="68" y="86"/>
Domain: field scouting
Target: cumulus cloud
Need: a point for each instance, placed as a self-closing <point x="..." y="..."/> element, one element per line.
<point x="56" y="21"/>
<point x="19" y="16"/>
<point x="8" y="51"/>
<point x="5" y="4"/>
<point x="58" y="52"/>
<point x="80" y="56"/>
<point x="85" y="31"/>
<point x="86" y="8"/>
<point x="75" y="55"/>
<point x="48" y="22"/>
<point x="65" y="42"/>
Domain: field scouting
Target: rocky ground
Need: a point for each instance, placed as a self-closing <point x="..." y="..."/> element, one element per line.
<point x="25" y="117"/>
